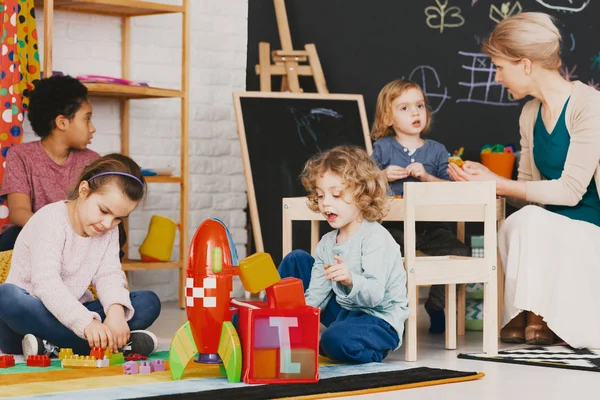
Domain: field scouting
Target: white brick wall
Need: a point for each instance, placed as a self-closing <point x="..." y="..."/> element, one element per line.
<point x="91" y="44"/>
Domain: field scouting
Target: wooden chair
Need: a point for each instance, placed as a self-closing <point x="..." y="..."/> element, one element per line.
<point x="451" y="201"/>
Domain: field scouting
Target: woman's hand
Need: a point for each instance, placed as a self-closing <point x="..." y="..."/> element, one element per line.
<point x="471" y="171"/>
<point x="115" y="321"/>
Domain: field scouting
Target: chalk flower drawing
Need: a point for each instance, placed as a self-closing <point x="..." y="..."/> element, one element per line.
<point x="505" y="11"/>
<point x="442" y="16"/>
<point x="560" y="5"/>
<point x="596" y="61"/>
<point x="593" y="84"/>
<point x="569" y="74"/>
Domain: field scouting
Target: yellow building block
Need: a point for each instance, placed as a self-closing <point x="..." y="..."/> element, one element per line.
<point x="65" y="353"/>
<point x="265" y="363"/>
<point x="258" y="272"/>
<point x="79" y="362"/>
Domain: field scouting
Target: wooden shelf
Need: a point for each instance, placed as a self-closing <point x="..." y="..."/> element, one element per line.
<point x="138" y="265"/>
<point x="121" y="8"/>
<point x="130" y="92"/>
<point x="162" y="179"/>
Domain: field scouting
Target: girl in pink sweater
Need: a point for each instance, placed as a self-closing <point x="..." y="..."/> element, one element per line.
<point x="45" y="302"/>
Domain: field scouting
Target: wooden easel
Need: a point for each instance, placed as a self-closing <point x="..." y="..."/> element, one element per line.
<point x="285" y="61"/>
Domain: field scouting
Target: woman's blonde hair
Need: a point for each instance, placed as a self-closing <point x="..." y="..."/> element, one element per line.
<point x="531" y="35"/>
<point x="383" y="112"/>
<point x="360" y="174"/>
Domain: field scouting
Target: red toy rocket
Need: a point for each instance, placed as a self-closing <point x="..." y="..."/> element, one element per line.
<point x="212" y="263"/>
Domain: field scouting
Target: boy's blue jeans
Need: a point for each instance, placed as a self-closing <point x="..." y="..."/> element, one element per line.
<point x="21" y="313"/>
<point x="351" y="336"/>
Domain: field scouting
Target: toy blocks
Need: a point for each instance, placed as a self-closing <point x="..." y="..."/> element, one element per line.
<point x="157" y="365"/>
<point x="79" y="362"/>
<point x="105" y="362"/>
<point x="97" y="352"/>
<point x="130" y="368"/>
<point x="38" y="361"/>
<point x="7" y="361"/>
<point x="287" y="293"/>
<point x="117" y="359"/>
<point x="258" y="272"/>
<point x="65" y="353"/>
<point x="145" y="367"/>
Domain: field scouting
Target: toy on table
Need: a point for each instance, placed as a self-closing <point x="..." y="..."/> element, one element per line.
<point x="456" y="157"/>
<point x="109" y="80"/>
<point x="7" y="361"/>
<point x="38" y="361"/>
<point x="499" y="159"/>
<point x="279" y="340"/>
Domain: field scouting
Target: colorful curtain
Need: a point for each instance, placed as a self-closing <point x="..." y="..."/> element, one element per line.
<point x="19" y="68"/>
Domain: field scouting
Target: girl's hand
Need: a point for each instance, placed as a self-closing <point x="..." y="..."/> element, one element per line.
<point x="395" y="172"/>
<point x="115" y="321"/>
<point x="471" y="171"/>
<point x="417" y="170"/>
<point x="339" y="273"/>
<point x="98" y="335"/>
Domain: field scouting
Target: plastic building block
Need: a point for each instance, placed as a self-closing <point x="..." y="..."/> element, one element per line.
<point x="265" y="363"/>
<point x="105" y="362"/>
<point x="130" y="368"/>
<point x="38" y="361"/>
<point x="230" y="351"/>
<point x="64" y="353"/>
<point x="79" y="362"/>
<point x="97" y="352"/>
<point x="258" y="272"/>
<point x="7" y="361"/>
<point x="157" y="365"/>
<point x="182" y="350"/>
<point x="145" y="367"/>
<point x="135" y="357"/>
<point x="287" y="293"/>
<point x="117" y="359"/>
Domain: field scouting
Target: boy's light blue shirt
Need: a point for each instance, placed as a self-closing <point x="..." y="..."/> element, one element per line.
<point x="378" y="276"/>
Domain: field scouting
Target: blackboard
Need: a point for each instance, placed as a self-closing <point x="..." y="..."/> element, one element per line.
<point x="364" y="44"/>
<point x="278" y="133"/>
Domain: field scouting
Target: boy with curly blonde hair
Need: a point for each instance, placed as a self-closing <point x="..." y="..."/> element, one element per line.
<point x="357" y="278"/>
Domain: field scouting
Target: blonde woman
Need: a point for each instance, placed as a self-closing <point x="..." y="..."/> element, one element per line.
<point x="550" y="248"/>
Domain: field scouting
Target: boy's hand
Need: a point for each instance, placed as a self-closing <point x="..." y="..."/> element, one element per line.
<point x="115" y="321"/>
<point x="395" y="172"/>
<point x="98" y="335"/>
<point x="339" y="273"/>
<point x="417" y="170"/>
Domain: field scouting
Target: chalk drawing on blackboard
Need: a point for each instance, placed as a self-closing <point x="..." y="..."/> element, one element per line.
<point x="483" y="88"/>
<point x="561" y="5"/>
<point x="593" y="84"/>
<point x="427" y="77"/>
<point x="505" y="11"/>
<point x="596" y="61"/>
<point x="305" y="126"/>
<point x="569" y="74"/>
<point x="572" y="42"/>
<point x="441" y="16"/>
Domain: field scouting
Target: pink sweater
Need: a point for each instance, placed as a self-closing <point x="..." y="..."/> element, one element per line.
<point x="56" y="265"/>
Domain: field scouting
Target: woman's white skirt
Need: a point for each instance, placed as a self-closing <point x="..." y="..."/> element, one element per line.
<point x="552" y="268"/>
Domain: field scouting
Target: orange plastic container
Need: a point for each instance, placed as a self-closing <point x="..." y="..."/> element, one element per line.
<point x="499" y="163"/>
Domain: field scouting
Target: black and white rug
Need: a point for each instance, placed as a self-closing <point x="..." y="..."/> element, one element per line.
<point x="551" y="356"/>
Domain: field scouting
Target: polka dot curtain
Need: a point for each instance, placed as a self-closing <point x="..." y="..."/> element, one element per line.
<point x="20" y="66"/>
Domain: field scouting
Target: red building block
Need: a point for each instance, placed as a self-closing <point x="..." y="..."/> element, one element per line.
<point x="7" y="361"/>
<point x="287" y="293"/>
<point x="38" y="361"/>
<point x="97" y="352"/>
